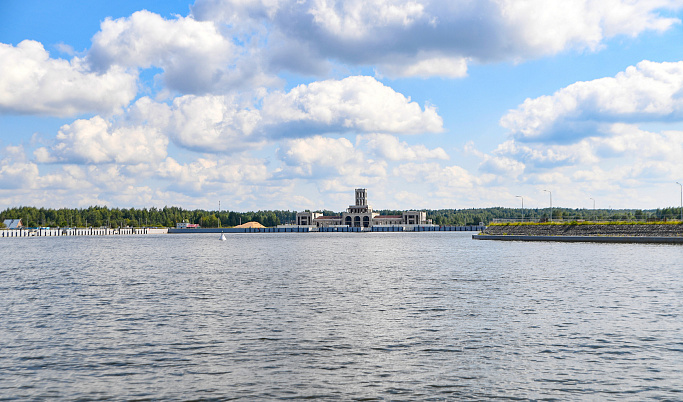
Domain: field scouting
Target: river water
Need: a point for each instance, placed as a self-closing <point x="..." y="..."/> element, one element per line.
<point x="338" y="316"/>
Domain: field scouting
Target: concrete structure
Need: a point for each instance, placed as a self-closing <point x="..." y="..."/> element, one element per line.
<point x="186" y="225"/>
<point x="586" y="239"/>
<point x="306" y="218"/>
<point x="58" y="232"/>
<point x="13" y="223"/>
<point x="361" y="215"/>
<point x="313" y="229"/>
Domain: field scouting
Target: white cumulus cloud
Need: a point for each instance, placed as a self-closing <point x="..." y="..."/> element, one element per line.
<point x="356" y="103"/>
<point x="33" y="83"/>
<point x="389" y="147"/>
<point x="210" y="174"/>
<point x="97" y="140"/>
<point x="194" y="55"/>
<point x="213" y="124"/>
<point x="16" y="172"/>
<point x="334" y="159"/>
<point x="433" y="37"/>
<point x="645" y="92"/>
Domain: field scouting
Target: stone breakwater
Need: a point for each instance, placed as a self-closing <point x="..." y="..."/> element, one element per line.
<point x="633" y="230"/>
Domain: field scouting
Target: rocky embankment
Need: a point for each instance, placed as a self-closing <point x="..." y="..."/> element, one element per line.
<point x="640" y="230"/>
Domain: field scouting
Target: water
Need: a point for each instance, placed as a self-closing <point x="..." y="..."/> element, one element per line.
<point x="338" y="316"/>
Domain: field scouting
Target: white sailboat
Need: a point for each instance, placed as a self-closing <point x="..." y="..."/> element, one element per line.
<point x="222" y="238"/>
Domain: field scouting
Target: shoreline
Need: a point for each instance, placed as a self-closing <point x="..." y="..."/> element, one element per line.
<point x="335" y="229"/>
<point x="586" y="232"/>
<point x="60" y="232"/>
<point x="584" y="239"/>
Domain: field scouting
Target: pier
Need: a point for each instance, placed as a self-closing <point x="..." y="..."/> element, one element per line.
<point x="55" y="232"/>
<point x="343" y="229"/>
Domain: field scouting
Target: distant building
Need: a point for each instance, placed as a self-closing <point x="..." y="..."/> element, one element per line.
<point x="13" y="223"/>
<point x="361" y="215"/>
<point x="185" y="225"/>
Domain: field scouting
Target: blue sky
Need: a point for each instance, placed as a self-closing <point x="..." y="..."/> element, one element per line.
<point x="283" y="104"/>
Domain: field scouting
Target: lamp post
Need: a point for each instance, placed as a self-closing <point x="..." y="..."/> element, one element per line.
<point x="519" y="196"/>
<point x="593" y="208"/>
<point x="551" y="204"/>
<point x="681" y="199"/>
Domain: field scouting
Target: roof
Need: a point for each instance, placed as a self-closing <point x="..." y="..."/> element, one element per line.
<point x="389" y="217"/>
<point x="328" y="217"/>
<point x="12" y="223"/>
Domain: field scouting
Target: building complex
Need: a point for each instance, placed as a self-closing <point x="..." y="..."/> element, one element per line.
<point x="361" y="215"/>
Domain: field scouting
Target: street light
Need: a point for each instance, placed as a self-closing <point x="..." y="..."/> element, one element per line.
<point x="593" y="208"/>
<point x="519" y="196"/>
<point x="681" y="199"/>
<point x="551" y="204"/>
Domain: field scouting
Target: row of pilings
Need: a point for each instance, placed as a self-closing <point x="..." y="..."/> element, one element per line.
<point x="49" y="232"/>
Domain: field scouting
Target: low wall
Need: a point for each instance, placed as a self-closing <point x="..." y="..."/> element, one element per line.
<point x="635" y="230"/>
<point x="589" y="239"/>
<point x="309" y="229"/>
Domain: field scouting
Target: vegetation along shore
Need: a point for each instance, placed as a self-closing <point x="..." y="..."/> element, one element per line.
<point x="632" y="229"/>
<point x="100" y="216"/>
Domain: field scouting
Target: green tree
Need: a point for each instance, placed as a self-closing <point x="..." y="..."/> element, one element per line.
<point x="209" y="221"/>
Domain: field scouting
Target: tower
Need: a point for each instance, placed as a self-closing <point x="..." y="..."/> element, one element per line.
<point x="361" y="197"/>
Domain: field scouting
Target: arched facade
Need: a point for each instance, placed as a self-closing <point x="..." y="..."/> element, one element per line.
<point x="361" y="215"/>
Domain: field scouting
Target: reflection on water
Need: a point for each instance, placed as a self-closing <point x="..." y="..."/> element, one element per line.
<point x="338" y="316"/>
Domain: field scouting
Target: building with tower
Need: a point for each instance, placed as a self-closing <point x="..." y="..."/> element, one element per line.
<point x="361" y="215"/>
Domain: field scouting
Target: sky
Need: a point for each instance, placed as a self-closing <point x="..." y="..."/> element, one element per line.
<point x="292" y="104"/>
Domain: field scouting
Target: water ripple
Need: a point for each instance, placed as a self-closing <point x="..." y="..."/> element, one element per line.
<point x="387" y="316"/>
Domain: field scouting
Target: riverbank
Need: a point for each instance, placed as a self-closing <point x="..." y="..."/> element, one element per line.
<point x="589" y="232"/>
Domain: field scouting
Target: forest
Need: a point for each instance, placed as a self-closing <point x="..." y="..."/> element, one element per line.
<point x="97" y="216"/>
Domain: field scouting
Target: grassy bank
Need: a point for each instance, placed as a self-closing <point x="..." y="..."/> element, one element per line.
<point x="655" y="229"/>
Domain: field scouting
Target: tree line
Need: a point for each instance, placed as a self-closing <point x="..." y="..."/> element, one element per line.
<point x="97" y="216"/>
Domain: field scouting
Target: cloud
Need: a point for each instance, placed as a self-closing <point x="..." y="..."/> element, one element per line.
<point x="548" y="27"/>
<point x="33" y="83"/>
<point x="357" y="103"/>
<point x="425" y="67"/>
<point x="319" y="156"/>
<point x="625" y="156"/>
<point x="229" y="124"/>
<point x="194" y="55"/>
<point x="96" y="141"/>
<point x="432" y="38"/>
<point x="649" y="91"/>
<point x="335" y="160"/>
<point x="546" y="156"/>
<point x="211" y="174"/>
<point x="389" y="147"/>
<point x="213" y="124"/>
<point x="502" y="166"/>
<point x="444" y="177"/>
<point x="16" y="172"/>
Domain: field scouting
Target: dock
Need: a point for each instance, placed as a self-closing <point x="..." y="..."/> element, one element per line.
<point x="56" y="232"/>
<point x="335" y="229"/>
